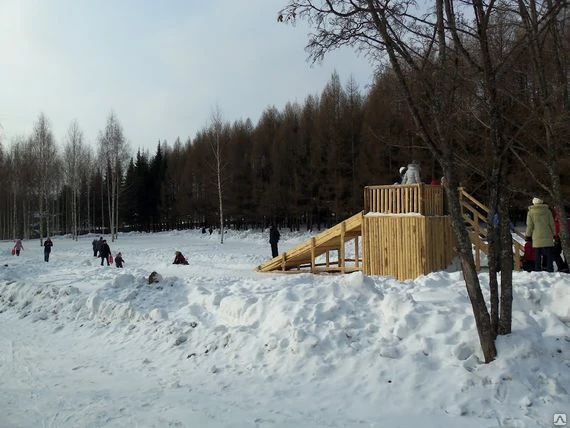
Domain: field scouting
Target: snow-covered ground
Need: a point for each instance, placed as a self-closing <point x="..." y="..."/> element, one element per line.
<point x="217" y="344"/>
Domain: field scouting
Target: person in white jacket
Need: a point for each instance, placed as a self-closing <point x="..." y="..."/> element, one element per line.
<point x="412" y="175"/>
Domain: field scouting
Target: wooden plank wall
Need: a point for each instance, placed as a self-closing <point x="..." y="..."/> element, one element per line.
<point x="406" y="247"/>
<point x="441" y="242"/>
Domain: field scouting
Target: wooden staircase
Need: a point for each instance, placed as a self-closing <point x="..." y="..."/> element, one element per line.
<point x="303" y="256"/>
<point x="476" y="217"/>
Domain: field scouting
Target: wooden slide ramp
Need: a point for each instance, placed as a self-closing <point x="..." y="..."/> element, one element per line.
<point x="303" y="255"/>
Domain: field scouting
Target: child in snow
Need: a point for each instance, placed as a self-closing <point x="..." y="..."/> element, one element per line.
<point x="179" y="259"/>
<point x="119" y="260"/>
<point x="18" y="246"/>
<point x="529" y="256"/>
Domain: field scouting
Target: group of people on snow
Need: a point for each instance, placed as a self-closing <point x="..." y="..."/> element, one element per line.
<point x="19" y="246"/>
<point x="101" y="249"/>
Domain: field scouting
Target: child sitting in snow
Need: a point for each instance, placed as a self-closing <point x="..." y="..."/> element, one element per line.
<point x="119" y="260"/>
<point x="179" y="259"/>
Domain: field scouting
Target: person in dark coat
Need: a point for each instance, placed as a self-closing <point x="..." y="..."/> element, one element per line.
<point x="96" y="244"/>
<point x="119" y="260"/>
<point x="179" y="259"/>
<point x="47" y="248"/>
<point x="402" y="172"/>
<point x="104" y="252"/>
<point x="274" y="236"/>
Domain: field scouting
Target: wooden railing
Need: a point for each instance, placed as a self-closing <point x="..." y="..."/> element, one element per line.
<point x="476" y="215"/>
<point x="403" y="199"/>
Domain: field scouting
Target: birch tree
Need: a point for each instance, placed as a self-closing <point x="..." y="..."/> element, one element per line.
<point x="113" y="150"/>
<point x="44" y="155"/>
<point x="74" y="161"/>
<point x="217" y="141"/>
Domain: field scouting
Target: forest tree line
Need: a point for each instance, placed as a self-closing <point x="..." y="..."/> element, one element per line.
<point x="304" y="165"/>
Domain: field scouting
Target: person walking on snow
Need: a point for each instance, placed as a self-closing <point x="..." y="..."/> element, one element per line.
<point x="119" y="260"/>
<point x="18" y="246"/>
<point x="47" y="248"/>
<point x="104" y="252"/>
<point x="274" y="236"/>
<point x="96" y="243"/>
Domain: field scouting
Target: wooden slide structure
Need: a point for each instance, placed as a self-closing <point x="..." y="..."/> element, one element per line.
<point x="404" y="231"/>
<point x="303" y="256"/>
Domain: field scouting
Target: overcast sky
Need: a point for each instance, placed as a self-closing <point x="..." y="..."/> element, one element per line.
<point x="162" y="66"/>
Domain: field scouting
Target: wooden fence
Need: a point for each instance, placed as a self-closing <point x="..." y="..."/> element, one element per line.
<point x="403" y="199"/>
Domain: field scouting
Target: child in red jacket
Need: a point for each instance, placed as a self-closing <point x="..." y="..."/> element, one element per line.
<point x="529" y="256"/>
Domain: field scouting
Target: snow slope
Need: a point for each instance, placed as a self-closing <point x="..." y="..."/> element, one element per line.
<point x="217" y="344"/>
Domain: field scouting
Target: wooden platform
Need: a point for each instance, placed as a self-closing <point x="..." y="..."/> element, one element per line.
<point x="302" y="257"/>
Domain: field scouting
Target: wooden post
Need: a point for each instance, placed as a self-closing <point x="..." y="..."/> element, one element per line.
<point x="313" y="254"/>
<point x="356" y="255"/>
<point x="477" y="243"/>
<point x="421" y="207"/>
<point x="341" y="249"/>
<point x="365" y="250"/>
<point x="283" y="262"/>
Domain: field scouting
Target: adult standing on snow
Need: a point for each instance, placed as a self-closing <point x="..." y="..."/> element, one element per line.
<point x="47" y="248"/>
<point x="96" y="244"/>
<point x="540" y="227"/>
<point x="412" y="175"/>
<point x="274" y="236"/>
<point x="104" y="252"/>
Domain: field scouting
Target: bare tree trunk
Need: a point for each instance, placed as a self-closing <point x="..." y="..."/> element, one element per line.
<point x="42" y="216"/>
<point x="74" y="214"/>
<point x="506" y="303"/>
<point x="14" y="215"/>
<point x="480" y="313"/>
<point x="89" y="219"/>
<point x="102" y="207"/>
<point x="117" y="213"/>
<point x="110" y="184"/>
<point x="220" y="199"/>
